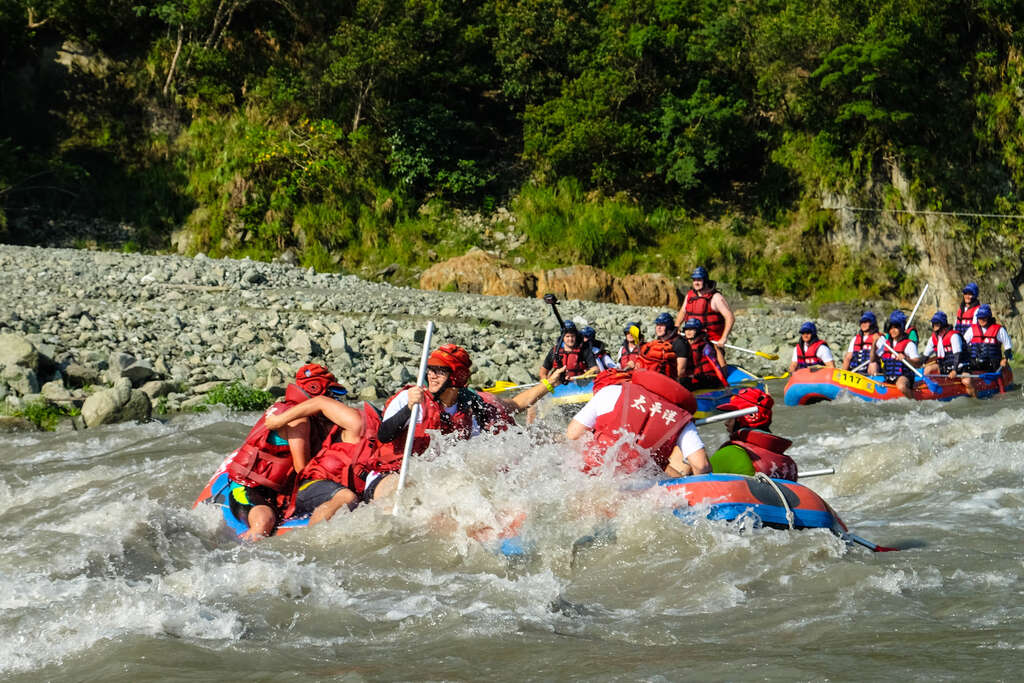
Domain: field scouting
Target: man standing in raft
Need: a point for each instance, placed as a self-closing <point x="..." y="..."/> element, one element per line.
<point x="751" y="446"/>
<point x="446" y="404"/>
<point x="811" y="351"/>
<point x="705" y="303"/>
<point x="859" y="353"/>
<point x="263" y="470"/>
<point x="642" y="414"/>
<point x="894" y="363"/>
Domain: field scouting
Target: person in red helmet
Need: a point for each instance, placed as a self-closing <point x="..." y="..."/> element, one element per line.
<point x="641" y="415"/>
<point x="263" y="469"/>
<point x="448" y="405"/>
<point x="752" y="447"/>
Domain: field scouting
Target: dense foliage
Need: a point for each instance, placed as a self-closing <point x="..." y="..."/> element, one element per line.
<point x="640" y="134"/>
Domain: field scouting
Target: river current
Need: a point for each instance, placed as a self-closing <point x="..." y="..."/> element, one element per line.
<point x="108" y="574"/>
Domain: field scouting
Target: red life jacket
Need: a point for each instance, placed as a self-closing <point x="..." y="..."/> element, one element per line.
<point x="808" y="356"/>
<point x="702" y="365"/>
<point x="985" y="348"/>
<point x="489" y="412"/>
<point x="891" y="365"/>
<point x="699" y="306"/>
<point x="862" y="343"/>
<point x="572" y="359"/>
<point x="645" y="422"/>
<point x="260" y="463"/>
<point x="965" y="317"/>
<point x="626" y="356"/>
<point x="767" y="453"/>
<point x="348" y="463"/>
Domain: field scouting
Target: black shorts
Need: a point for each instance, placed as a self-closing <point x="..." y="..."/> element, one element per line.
<point x="312" y="494"/>
<point x="242" y="499"/>
<point x="368" y="491"/>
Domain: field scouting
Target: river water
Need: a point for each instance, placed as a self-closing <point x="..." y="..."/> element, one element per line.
<point x="108" y="574"/>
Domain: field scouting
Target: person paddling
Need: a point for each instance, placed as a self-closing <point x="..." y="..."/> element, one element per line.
<point x="665" y="330"/>
<point x="988" y="345"/>
<point x="597" y="348"/>
<point x="811" y="351"/>
<point x="752" y="447"/>
<point x="944" y="351"/>
<point x="894" y="352"/>
<point x="860" y="351"/>
<point x="705" y="372"/>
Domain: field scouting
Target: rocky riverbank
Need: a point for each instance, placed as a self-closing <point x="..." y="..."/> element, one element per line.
<point x="124" y="335"/>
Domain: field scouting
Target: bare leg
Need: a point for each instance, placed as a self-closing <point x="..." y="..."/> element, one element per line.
<point x="972" y="391"/>
<point x="386" y="488"/>
<point x="872" y="368"/>
<point x="905" y="387"/>
<point x="261" y="522"/>
<point x="343" y="498"/>
<point x="931" y="368"/>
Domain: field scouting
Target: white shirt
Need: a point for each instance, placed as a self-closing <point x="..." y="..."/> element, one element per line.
<point x="955" y="347"/>
<point x="604" y="361"/>
<point x="824" y="353"/>
<point x="603" y="402"/>
<point x="1003" y="337"/>
<point x="910" y="351"/>
<point x="402" y="400"/>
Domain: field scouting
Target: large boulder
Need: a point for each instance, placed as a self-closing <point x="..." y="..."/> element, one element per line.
<point x="477" y="272"/>
<point x="117" y="404"/>
<point x="585" y="283"/>
<point x="648" y="289"/>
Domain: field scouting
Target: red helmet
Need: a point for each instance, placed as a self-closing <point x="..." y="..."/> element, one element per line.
<point x="657" y="355"/>
<point x="315" y="379"/>
<point x="456" y="359"/>
<point x="751" y="397"/>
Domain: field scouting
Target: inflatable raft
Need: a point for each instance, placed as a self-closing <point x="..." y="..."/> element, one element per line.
<point x="217" y="492"/>
<point x="812" y="385"/>
<point x="776" y="503"/>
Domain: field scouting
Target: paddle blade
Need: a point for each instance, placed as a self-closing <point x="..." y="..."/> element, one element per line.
<point x="765" y="354"/>
<point x="873" y="547"/>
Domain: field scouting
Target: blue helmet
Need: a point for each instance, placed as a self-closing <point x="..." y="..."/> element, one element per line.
<point x="897" y="319"/>
<point x="665" y="319"/>
<point x="569" y="326"/>
<point x="808" y="327"/>
<point x="630" y="326"/>
<point x="700" y="273"/>
<point x="588" y="332"/>
<point x="940" y="318"/>
<point x="693" y="324"/>
<point x="869" y="317"/>
<point x="971" y="288"/>
<point x="985" y="311"/>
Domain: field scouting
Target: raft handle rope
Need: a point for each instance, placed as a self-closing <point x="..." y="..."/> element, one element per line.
<point x="762" y="477"/>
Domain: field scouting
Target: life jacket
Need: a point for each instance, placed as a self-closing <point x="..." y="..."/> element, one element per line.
<point x="943" y="345"/>
<point x="703" y="368"/>
<point x="985" y="350"/>
<point x="348" y="463"/>
<point x="965" y="317"/>
<point x="808" y="356"/>
<point x="767" y="452"/>
<point x="490" y="415"/>
<point x="644" y="423"/>
<point x="258" y="462"/>
<point x="571" y="359"/>
<point x="862" y="344"/>
<point x="626" y="356"/>
<point x="699" y="306"/>
<point x="892" y="368"/>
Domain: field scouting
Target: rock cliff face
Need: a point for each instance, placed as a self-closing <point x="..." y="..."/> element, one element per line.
<point x="478" y="272"/>
<point x="934" y="248"/>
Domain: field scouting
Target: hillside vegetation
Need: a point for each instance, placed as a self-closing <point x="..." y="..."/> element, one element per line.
<point x="632" y="135"/>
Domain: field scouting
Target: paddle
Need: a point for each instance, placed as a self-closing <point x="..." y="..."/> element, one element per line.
<point x="932" y="386"/>
<point x="873" y="547"/>
<point x="414" y="417"/>
<point x="909" y="321"/>
<point x="725" y="416"/>
<point x="762" y="354"/>
<point x="818" y="473"/>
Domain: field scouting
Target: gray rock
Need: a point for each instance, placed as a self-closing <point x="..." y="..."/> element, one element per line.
<point x="10" y="424"/>
<point x="55" y="392"/>
<point x="20" y="380"/>
<point x="15" y="349"/>
<point x="157" y="388"/>
<point x="139" y="372"/>
<point x="301" y="344"/>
